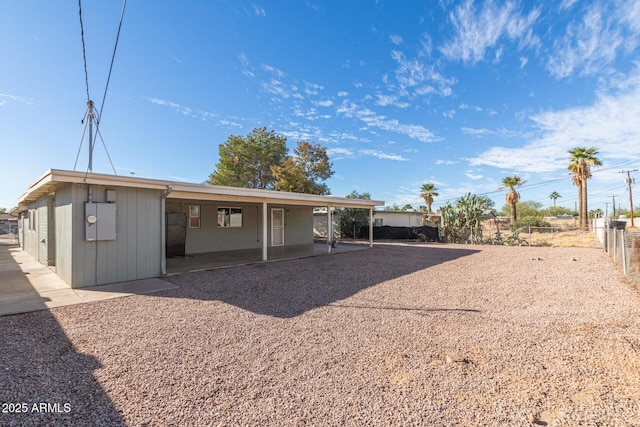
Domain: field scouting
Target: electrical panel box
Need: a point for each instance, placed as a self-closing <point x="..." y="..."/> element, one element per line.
<point x="100" y="221"/>
<point x="111" y="196"/>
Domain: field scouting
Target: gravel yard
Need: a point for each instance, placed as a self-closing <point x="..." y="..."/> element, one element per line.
<point x="402" y="334"/>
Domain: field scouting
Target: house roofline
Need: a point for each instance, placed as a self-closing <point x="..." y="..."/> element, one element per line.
<point x="48" y="182"/>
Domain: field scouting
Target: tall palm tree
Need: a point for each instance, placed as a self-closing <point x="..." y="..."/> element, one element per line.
<point x="582" y="159"/>
<point x="428" y="192"/>
<point x="554" y="196"/>
<point x="511" y="182"/>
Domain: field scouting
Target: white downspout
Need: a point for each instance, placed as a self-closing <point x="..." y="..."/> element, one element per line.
<point x="163" y="231"/>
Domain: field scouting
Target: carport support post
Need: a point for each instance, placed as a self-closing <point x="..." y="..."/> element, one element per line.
<point x="329" y="230"/>
<point x="370" y="227"/>
<point x="264" y="231"/>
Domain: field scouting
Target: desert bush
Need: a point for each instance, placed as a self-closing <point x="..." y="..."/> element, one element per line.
<point x="529" y="221"/>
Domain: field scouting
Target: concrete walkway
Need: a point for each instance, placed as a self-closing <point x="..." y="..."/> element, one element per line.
<point x="26" y="285"/>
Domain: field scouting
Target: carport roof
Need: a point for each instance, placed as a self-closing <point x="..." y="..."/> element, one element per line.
<point x="48" y="182"/>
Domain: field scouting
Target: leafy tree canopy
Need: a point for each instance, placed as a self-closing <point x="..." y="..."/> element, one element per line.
<point x="305" y="171"/>
<point x="525" y="208"/>
<point x="246" y="161"/>
<point x="261" y="160"/>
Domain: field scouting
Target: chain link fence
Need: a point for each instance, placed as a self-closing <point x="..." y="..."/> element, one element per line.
<point x="624" y="249"/>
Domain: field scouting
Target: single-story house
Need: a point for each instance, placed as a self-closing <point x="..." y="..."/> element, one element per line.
<point x="8" y="224"/>
<point x="96" y="229"/>
<point x="381" y="218"/>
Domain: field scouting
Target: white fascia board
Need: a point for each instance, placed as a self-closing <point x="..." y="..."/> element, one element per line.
<point x="181" y="190"/>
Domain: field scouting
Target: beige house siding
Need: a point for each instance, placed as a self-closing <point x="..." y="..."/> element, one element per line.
<point x="211" y="238"/>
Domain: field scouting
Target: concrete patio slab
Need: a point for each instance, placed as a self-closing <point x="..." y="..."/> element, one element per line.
<point x="26" y="285"/>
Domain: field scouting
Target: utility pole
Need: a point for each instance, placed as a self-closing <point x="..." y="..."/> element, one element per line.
<point x="629" y="182"/>
<point x="606" y="209"/>
<point x="614" y="205"/>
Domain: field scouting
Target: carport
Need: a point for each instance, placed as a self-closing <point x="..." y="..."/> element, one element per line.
<point x="96" y="229"/>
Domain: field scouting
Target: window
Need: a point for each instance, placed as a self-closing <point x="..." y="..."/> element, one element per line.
<point x="194" y="216"/>
<point x="229" y="217"/>
<point x="377" y="222"/>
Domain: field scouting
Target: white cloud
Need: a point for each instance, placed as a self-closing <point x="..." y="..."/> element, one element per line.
<point x="255" y="11"/>
<point x="312" y="88"/>
<point x="396" y="39"/>
<point x="339" y="153"/>
<point x="523" y="61"/>
<point x="476" y="132"/>
<point x="449" y="113"/>
<point x="587" y="46"/>
<point x="186" y="111"/>
<point x="4" y="98"/>
<point x="566" y="4"/>
<point x="274" y="70"/>
<point x="478" y="29"/>
<point x="342" y="94"/>
<point x="244" y="60"/>
<point x="326" y="103"/>
<point x="371" y="119"/>
<point x="419" y="77"/>
<point x="469" y="174"/>
<point x="611" y="124"/>
<point x="445" y="162"/>
<point x="383" y="155"/>
<point x="384" y="100"/>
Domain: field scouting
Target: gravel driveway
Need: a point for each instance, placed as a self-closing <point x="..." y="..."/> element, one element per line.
<point x="402" y="334"/>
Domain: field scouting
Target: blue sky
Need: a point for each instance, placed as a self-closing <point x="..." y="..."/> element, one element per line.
<point x="458" y="93"/>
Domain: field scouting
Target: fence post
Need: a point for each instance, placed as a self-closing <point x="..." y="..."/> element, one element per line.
<point x="624" y="252"/>
<point x="529" y="236"/>
<point x="615" y="244"/>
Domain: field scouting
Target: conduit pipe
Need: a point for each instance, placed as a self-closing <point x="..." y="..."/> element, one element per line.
<point x="163" y="230"/>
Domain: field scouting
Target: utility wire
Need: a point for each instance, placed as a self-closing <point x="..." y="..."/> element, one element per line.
<point x="113" y="57"/>
<point x="84" y="51"/>
<point x="97" y="114"/>
<point x="106" y="151"/>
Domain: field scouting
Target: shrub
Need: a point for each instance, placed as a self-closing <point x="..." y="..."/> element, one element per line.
<point x="530" y="221"/>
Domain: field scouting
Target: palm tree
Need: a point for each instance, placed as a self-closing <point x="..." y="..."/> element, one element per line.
<point x="511" y="182"/>
<point x="428" y="192"/>
<point x="553" y="196"/>
<point x="582" y="158"/>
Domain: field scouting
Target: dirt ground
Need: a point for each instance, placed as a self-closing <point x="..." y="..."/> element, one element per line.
<point x="401" y="334"/>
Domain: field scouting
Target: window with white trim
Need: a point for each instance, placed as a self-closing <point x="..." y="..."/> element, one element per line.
<point x="194" y="216"/>
<point x="229" y="217"/>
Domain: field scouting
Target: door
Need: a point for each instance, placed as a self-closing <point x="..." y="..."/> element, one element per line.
<point x="176" y="234"/>
<point x="277" y="227"/>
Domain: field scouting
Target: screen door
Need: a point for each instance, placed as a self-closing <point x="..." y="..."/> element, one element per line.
<point x="277" y="227"/>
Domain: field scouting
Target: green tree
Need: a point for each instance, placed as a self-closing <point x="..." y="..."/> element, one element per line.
<point x="554" y="196"/>
<point x="513" y="196"/>
<point x="3" y="210"/>
<point x="428" y="191"/>
<point x="353" y="218"/>
<point x="525" y="208"/>
<point x="305" y="171"/>
<point x="582" y="159"/>
<point x="247" y="161"/>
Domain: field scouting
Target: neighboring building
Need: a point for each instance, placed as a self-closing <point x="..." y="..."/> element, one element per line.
<point x="380" y="219"/>
<point x="97" y="229"/>
<point x="8" y="224"/>
<point x="399" y="218"/>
